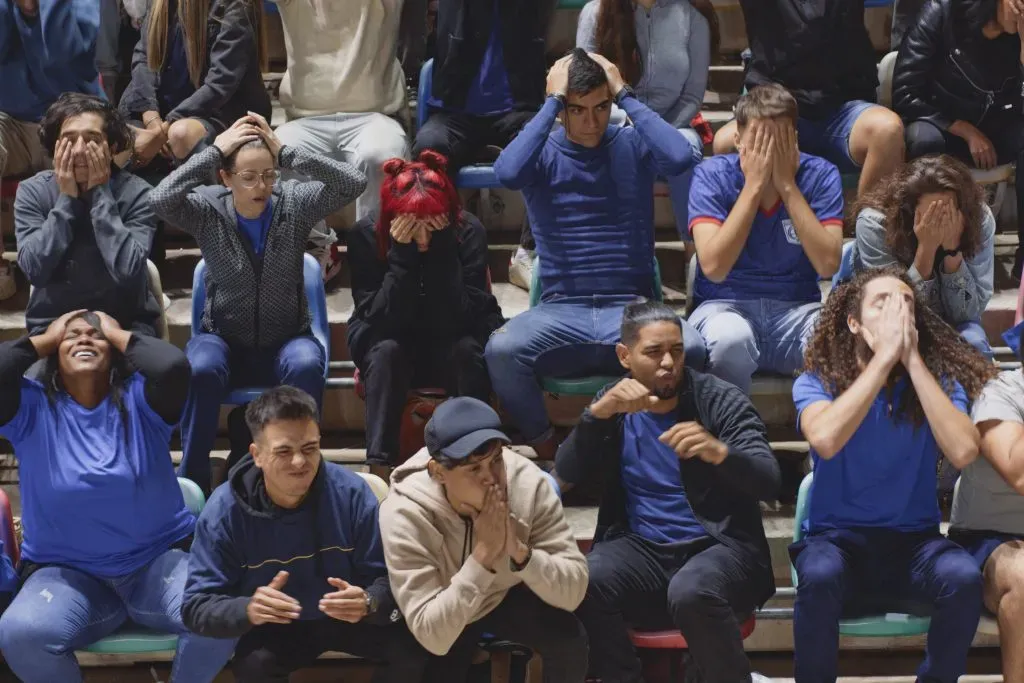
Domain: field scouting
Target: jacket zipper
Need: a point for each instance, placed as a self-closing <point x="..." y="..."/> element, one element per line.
<point x="989" y="94"/>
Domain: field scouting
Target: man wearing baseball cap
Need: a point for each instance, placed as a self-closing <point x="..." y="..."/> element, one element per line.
<point x="476" y="542"/>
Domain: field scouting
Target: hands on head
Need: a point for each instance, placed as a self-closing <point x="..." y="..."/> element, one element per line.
<point x="558" y="75"/>
<point x="49" y="341"/>
<point x="250" y="127"/>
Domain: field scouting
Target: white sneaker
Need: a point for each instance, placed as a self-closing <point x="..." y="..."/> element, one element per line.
<point x="520" y="268"/>
<point x="759" y="678"/>
<point x="8" y="285"/>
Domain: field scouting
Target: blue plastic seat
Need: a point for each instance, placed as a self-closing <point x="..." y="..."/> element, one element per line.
<point x="133" y="639"/>
<point x="847" y="267"/>
<point x="875" y="626"/>
<point x="316" y="298"/>
<point x="474" y="177"/>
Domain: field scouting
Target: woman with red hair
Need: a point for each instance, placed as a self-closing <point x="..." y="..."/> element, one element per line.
<point x="423" y="307"/>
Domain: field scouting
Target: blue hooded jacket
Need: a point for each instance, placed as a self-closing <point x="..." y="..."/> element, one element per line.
<point x="44" y="56"/>
<point x="243" y="540"/>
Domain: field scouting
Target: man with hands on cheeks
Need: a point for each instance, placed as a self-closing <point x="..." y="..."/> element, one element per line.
<point x="476" y="542"/>
<point x="685" y="460"/>
<point x="884" y="395"/>
<point x="287" y="557"/>
<point x="767" y="223"/>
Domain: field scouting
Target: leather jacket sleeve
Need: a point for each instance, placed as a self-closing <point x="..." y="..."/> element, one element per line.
<point x="920" y="55"/>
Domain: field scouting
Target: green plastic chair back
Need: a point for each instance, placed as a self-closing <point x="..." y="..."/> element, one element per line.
<point x="136" y="640"/>
<point x="880" y="626"/>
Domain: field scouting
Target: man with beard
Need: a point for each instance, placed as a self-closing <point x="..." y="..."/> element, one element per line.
<point x="685" y="459"/>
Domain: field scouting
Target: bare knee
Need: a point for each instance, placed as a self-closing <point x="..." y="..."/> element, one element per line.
<point x="1004" y="581"/>
<point x="725" y="139"/>
<point x="881" y="129"/>
<point x="183" y="135"/>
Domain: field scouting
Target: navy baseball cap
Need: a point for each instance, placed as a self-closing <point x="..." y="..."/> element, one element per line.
<point x="460" y="426"/>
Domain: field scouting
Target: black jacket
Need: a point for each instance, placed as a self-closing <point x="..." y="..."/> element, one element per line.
<point x="936" y="80"/>
<point x="724" y="498"/>
<point x="444" y="293"/>
<point x="463" y="29"/>
<point x="232" y="83"/>
<point x="818" y="49"/>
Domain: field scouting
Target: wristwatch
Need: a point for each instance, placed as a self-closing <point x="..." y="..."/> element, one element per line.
<point x="520" y="566"/>
<point x="626" y="91"/>
<point x="371" y="604"/>
<point x="944" y="253"/>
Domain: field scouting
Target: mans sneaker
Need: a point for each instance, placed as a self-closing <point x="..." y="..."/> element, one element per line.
<point x="759" y="678"/>
<point x="8" y="285"/>
<point x="520" y="268"/>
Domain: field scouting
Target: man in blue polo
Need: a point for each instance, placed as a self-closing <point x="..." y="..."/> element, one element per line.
<point x="767" y="223"/>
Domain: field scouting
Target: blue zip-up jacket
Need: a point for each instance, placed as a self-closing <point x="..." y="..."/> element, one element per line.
<point x="44" y="56"/>
<point x="243" y="540"/>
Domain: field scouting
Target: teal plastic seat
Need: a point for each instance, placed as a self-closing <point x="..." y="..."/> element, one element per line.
<point x="134" y="640"/>
<point x="875" y="626"/>
<point x="580" y="386"/>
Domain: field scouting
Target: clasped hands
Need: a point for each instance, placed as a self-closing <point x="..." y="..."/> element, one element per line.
<point x="494" y="528"/>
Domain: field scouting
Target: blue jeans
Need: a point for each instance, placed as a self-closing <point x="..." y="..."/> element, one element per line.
<point x="743" y="337"/>
<point x="849" y="567"/>
<point x="679" y="186"/>
<point x="217" y="368"/>
<point x="563" y="337"/>
<point x="974" y="334"/>
<point x="59" y="610"/>
<point x="829" y="137"/>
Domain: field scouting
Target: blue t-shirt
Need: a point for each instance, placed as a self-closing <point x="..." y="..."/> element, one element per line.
<point x="489" y="94"/>
<point x="98" y="493"/>
<point x="773" y="264"/>
<point x="655" y="498"/>
<point x="175" y="82"/>
<point x="255" y="229"/>
<point x="885" y="475"/>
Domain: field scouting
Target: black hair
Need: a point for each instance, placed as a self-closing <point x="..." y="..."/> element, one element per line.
<point x="640" y="314"/>
<point x="116" y="129"/>
<point x="585" y="75"/>
<point x="280" y="404"/>
<point x="231" y="159"/>
<point x="971" y="16"/>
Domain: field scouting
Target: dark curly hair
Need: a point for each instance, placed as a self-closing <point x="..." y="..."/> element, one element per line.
<point x="116" y="129"/>
<point x="833" y="351"/>
<point x="896" y="198"/>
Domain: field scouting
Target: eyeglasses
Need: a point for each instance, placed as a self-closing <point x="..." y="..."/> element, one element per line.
<point x="250" y="179"/>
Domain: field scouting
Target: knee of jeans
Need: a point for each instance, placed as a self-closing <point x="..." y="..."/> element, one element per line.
<point x="24" y="636"/>
<point x="922" y="139"/>
<point x="564" y="634"/>
<point x="208" y="361"/>
<point x="304" y="358"/>
<point x="380" y="145"/>
<point x="386" y="352"/>
<point x="963" y="579"/>
<point x="689" y="599"/>
<point x="256" y="665"/>
<point x="731" y="345"/>
<point x="503" y="346"/>
<point x="820" y="574"/>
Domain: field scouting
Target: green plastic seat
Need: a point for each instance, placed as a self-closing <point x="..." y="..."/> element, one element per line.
<point x="134" y="640"/>
<point x="580" y="386"/>
<point x="880" y="626"/>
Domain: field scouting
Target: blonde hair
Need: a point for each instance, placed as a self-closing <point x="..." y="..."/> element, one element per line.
<point x="192" y="17"/>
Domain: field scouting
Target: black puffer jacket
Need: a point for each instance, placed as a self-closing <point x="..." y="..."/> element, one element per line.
<point x="936" y="79"/>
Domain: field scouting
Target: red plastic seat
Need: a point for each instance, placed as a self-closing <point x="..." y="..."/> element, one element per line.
<point x="673" y="640"/>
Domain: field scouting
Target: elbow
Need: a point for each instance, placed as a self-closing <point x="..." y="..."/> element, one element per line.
<point x="429" y="637"/>
<point x="713" y="270"/>
<point x="34" y="272"/>
<point x="963" y="454"/>
<point x="508" y="178"/>
<point x="827" y="268"/>
<point x="825" y="444"/>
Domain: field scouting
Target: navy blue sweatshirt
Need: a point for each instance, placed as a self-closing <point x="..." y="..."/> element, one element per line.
<point x="592" y="209"/>
<point x="243" y="540"/>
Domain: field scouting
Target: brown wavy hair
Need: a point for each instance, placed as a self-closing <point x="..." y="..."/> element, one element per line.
<point x="896" y="198"/>
<point x="833" y="352"/>
<point x="616" y="35"/>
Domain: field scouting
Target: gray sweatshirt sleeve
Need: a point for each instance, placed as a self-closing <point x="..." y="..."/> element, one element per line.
<point x="699" y="49"/>
<point x="44" y="232"/>
<point x="586" y="27"/>
<point x="124" y="240"/>
<point x="873" y="252"/>
<point x="966" y="293"/>
<point x="175" y="199"/>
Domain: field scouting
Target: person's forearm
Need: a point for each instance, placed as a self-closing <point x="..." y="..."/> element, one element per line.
<point x="173" y="199"/>
<point x="216" y="616"/>
<point x="822" y="246"/>
<point x="724" y="247"/>
<point x="331" y="185"/>
<point x="924" y="260"/>
<point x="16" y="357"/>
<point x="516" y="166"/>
<point x="961" y="129"/>
<point x="671" y="152"/>
<point x="833" y="427"/>
<point x="954" y="431"/>
<point x="124" y="251"/>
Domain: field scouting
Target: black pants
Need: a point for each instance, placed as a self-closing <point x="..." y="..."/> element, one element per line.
<point x="269" y="653"/>
<point x="391" y="368"/>
<point x="461" y="136"/>
<point x="1006" y="134"/>
<point x="705" y="589"/>
<point x="523" y="618"/>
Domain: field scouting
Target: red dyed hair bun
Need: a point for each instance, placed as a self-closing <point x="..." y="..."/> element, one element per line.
<point x="421" y="188"/>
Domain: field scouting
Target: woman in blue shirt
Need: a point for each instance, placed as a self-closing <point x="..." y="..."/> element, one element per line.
<point x="106" y="527"/>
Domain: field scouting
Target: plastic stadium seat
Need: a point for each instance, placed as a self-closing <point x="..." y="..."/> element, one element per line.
<point x="474" y="177"/>
<point x="377" y="485"/>
<point x="580" y="386"/>
<point x="7" y="533"/>
<point x="847" y="268"/>
<point x="315" y="297"/>
<point x="133" y="639"/>
<point x="878" y="626"/>
<point x="674" y="640"/>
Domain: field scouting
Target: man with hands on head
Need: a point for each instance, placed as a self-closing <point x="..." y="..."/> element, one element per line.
<point x="884" y="395"/>
<point x="287" y="557"/>
<point x="85" y="228"/>
<point x="685" y="460"/>
<point x="476" y="542"/>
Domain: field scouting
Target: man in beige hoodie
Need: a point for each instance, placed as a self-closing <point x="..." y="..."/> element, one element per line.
<point x="476" y="542"/>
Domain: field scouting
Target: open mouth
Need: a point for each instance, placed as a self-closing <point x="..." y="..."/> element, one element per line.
<point x="84" y="353"/>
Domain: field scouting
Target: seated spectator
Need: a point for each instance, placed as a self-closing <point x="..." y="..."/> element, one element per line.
<point x="988" y="511"/>
<point x="957" y="85"/>
<point x="288" y="557"/>
<point x="85" y="228"/>
<point x="107" y="525"/>
<point x="676" y="36"/>
<point x="46" y="48"/>
<point x="685" y="459"/>
<point x="820" y="51"/>
<point x="194" y="72"/>
<point x="931" y="218"/>
<point x="423" y="306"/>
<point x="884" y="395"/>
<point x="252" y="234"/>
<point x="521" y="574"/>
<point x="767" y="223"/>
<point x="589" y="195"/>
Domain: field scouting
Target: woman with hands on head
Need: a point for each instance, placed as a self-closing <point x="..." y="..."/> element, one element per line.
<point x="252" y="232"/>
<point x="106" y="525"/>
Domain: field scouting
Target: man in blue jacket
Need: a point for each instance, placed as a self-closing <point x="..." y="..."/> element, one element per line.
<point x="589" y="191"/>
<point x="287" y="557"/>
<point x="46" y="48"/>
